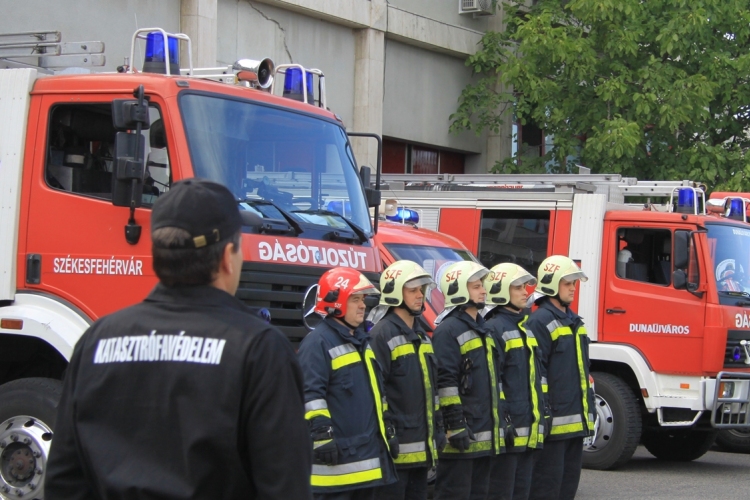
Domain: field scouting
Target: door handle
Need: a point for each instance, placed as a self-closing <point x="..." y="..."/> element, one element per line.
<point x="616" y="310"/>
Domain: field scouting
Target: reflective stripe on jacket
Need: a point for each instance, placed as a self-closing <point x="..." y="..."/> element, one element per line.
<point x="410" y="372"/>
<point x="343" y="388"/>
<point x="522" y="395"/>
<point x="564" y="355"/>
<point x="464" y="346"/>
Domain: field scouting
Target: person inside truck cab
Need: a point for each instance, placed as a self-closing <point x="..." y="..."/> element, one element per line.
<point x="728" y="278"/>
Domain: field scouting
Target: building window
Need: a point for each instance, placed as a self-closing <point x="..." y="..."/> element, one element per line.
<point x="402" y="158"/>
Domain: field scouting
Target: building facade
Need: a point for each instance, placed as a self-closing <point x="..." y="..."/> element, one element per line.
<point x="392" y="67"/>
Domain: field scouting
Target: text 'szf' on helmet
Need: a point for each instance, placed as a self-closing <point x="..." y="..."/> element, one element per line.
<point x="398" y="275"/>
<point x="455" y="279"/>
<point x="336" y="286"/>
<point x="501" y="278"/>
<point x="556" y="268"/>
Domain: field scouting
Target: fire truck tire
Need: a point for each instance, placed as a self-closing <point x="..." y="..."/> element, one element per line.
<point x="734" y="440"/>
<point x="28" y="408"/>
<point x="618" y="427"/>
<point x="678" y="445"/>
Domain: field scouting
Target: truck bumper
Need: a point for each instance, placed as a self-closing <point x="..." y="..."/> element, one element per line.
<point x="729" y="400"/>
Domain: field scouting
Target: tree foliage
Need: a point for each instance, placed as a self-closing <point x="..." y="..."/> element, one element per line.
<point x="656" y="89"/>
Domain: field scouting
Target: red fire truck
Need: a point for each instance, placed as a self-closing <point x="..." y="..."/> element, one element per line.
<point x="84" y="156"/>
<point x="666" y="303"/>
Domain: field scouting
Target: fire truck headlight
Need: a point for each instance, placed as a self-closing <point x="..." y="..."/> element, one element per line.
<point x="726" y="389"/>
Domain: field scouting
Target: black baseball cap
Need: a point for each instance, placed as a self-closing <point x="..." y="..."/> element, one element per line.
<point x="205" y="209"/>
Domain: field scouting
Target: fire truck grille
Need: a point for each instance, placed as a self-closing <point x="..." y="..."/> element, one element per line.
<point x="280" y="288"/>
<point x="734" y="356"/>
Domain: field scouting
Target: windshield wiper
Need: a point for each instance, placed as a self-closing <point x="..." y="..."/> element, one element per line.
<point x="737" y="295"/>
<point x="357" y="230"/>
<point x="274" y="225"/>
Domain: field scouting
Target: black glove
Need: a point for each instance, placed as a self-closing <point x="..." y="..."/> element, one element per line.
<point x="440" y="439"/>
<point x="509" y="432"/>
<point x="460" y="439"/>
<point x="390" y="433"/>
<point x="325" y="450"/>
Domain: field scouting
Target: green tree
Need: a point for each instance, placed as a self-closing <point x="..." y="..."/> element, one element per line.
<point x="656" y="89"/>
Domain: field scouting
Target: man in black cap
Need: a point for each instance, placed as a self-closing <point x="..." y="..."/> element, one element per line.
<point x="187" y="394"/>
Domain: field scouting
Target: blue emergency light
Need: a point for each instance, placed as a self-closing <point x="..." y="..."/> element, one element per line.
<point x="404" y="215"/>
<point x="293" y="85"/>
<point x="340" y="207"/>
<point x="686" y="199"/>
<point x="155" y="59"/>
<point x="736" y="209"/>
<point x="736" y="355"/>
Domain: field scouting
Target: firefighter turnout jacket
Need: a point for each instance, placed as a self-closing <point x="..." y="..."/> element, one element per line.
<point x="343" y="389"/>
<point x="185" y="395"/>
<point x="564" y="356"/>
<point x="468" y="382"/>
<point x="410" y="373"/>
<point x="522" y="397"/>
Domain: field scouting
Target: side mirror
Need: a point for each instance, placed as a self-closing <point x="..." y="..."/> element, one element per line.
<point x="679" y="279"/>
<point x="130" y="154"/>
<point x="373" y="197"/>
<point x="681" y="249"/>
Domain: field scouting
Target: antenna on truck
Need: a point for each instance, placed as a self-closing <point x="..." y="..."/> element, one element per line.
<point x="45" y="51"/>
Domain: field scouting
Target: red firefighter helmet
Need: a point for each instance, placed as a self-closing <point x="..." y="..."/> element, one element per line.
<point x="336" y="286"/>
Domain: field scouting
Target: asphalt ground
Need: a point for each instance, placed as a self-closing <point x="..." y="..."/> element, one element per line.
<point x="716" y="475"/>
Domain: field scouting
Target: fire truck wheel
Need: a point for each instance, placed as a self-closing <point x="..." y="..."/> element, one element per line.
<point x="678" y="445"/>
<point x="618" y="425"/>
<point x="734" y="440"/>
<point x="27" y="417"/>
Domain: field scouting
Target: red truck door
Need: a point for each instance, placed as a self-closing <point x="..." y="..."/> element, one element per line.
<point x="642" y="308"/>
<point x="75" y="239"/>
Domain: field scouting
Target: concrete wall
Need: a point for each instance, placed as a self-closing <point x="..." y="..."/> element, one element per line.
<point x="110" y="21"/>
<point x="445" y="11"/>
<point x="255" y="30"/>
<point x="421" y="92"/>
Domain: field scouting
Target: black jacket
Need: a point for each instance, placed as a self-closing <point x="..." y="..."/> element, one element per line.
<point x="410" y="373"/>
<point x="344" y="389"/>
<point x="564" y="355"/>
<point x="185" y="395"/>
<point x="522" y="395"/>
<point x="467" y="352"/>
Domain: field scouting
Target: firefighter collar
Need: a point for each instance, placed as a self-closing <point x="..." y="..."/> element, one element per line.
<point x="359" y="337"/>
<point x="411" y="334"/>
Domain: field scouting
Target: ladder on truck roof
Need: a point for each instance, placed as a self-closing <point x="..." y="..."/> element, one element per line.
<point x="615" y="186"/>
<point x="45" y="51"/>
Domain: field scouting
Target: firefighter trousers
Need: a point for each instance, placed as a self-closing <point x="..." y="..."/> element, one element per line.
<point x="359" y="494"/>
<point x="557" y="470"/>
<point x="411" y="485"/>
<point x="463" y="479"/>
<point x="510" y="478"/>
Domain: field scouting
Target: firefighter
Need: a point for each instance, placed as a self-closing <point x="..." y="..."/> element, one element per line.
<point x="467" y="386"/>
<point x="564" y="355"/>
<point x="405" y="354"/>
<point x="187" y="394"/>
<point x="345" y="405"/>
<point x="522" y="399"/>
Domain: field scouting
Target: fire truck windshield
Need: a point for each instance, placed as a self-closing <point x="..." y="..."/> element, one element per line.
<point x="730" y="252"/>
<point x="301" y="164"/>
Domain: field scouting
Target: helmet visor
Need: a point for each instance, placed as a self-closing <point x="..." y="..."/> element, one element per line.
<point x="579" y="275"/>
<point x="478" y="275"/>
<point x="421" y="281"/>
<point x="526" y="279"/>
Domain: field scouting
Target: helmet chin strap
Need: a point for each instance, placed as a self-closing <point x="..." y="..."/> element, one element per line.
<point x="411" y="311"/>
<point x="478" y="305"/>
<point x="513" y="307"/>
<point x="341" y="319"/>
<point x="561" y="301"/>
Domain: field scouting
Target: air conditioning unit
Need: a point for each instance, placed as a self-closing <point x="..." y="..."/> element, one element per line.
<point x="477" y="7"/>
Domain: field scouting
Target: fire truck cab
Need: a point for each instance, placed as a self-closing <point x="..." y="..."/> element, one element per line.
<point x="665" y="304"/>
<point x="83" y="157"/>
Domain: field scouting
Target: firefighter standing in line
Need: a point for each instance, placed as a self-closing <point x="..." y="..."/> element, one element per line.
<point x="564" y="356"/>
<point x="522" y="398"/>
<point x="467" y="386"/>
<point x="406" y="356"/>
<point x="187" y="394"/>
<point x="353" y="440"/>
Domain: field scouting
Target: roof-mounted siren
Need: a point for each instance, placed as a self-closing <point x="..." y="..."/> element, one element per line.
<point x="299" y="84"/>
<point x="255" y="74"/>
<point x="690" y="200"/>
<point x="731" y="207"/>
<point x="162" y="53"/>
